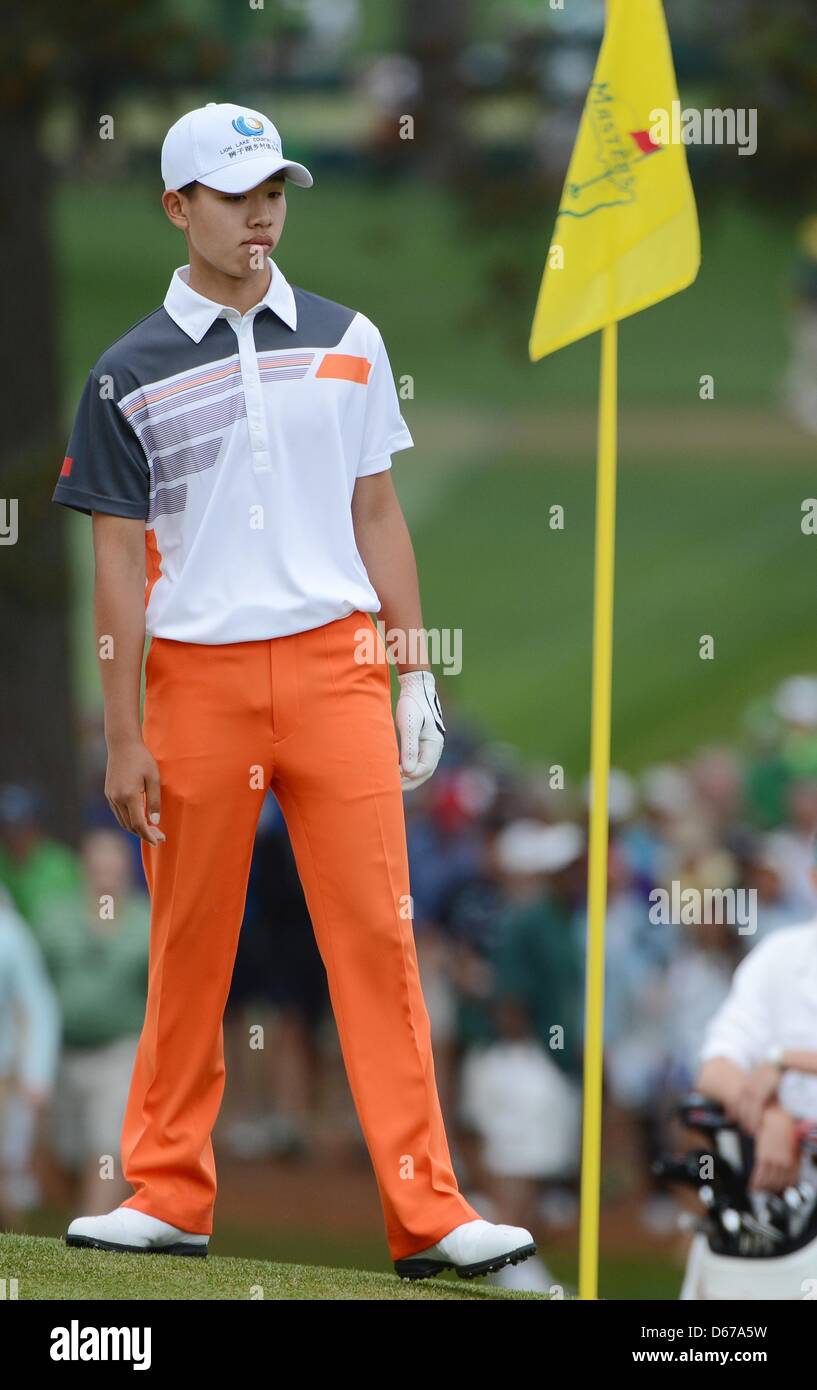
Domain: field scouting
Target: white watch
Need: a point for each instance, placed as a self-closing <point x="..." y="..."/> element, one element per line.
<point x="774" y="1056"/>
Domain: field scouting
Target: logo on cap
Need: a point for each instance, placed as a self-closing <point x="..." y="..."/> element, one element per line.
<point x="248" y="125"/>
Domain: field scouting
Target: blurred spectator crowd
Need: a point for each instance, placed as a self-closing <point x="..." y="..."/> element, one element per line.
<point x="498" y="855"/>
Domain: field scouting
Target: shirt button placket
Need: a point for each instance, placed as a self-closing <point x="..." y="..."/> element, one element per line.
<point x="253" y="396"/>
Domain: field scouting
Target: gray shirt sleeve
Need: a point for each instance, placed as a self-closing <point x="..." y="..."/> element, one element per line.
<point x="105" y="467"/>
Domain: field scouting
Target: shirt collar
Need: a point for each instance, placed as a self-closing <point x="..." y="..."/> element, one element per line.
<point x="195" y="313"/>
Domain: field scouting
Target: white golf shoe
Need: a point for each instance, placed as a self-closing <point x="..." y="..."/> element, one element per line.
<point x="475" y="1247"/>
<point x="136" y="1233"/>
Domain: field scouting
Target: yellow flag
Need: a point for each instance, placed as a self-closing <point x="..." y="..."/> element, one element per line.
<point x="626" y="233"/>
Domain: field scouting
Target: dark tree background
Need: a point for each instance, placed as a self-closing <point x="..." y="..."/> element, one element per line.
<point x="89" y="51"/>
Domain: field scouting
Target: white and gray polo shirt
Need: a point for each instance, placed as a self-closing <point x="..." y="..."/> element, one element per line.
<point x="238" y="440"/>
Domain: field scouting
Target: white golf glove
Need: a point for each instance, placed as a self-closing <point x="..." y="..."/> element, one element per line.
<point x="419" y="719"/>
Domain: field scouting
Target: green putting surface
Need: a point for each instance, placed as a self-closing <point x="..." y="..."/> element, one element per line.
<point x="46" y="1268"/>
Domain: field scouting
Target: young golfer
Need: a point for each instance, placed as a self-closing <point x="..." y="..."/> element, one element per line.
<point x="233" y="449"/>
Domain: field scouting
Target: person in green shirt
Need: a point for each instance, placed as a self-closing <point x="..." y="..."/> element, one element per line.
<point x="533" y="953"/>
<point x="538" y="965"/>
<point x="33" y="867"/>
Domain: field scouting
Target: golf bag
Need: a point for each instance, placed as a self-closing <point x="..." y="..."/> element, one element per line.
<point x="747" y="1244"/>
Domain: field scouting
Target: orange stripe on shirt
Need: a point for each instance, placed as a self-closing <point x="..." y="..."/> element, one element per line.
<point x="153" y="563"/>
<point x="341" y="364"/>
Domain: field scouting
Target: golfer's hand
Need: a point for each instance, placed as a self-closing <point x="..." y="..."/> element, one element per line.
<point x="419" y="720"/>
<point x="132" y="788"/>
<point x="759" y="1089"/>
<point x="777" y="1163"/>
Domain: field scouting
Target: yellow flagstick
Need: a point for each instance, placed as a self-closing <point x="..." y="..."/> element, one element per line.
<point x="599" y="775"/>
<point x="628" y="238"/>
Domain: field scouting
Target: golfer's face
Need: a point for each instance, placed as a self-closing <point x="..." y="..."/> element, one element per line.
<point x="237" y="231"/>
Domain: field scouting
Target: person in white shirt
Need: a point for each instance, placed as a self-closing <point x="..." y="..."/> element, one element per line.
<point x="758" y="1057"/>
<point x="233" y="449"/>
<point x="30" y="1034"/>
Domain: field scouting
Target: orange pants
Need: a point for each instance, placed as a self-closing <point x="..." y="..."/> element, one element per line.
<point x="300" y="714"/>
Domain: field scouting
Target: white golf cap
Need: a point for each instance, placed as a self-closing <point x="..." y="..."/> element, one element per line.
<point x="621" y="795"/>
<point x="531" y="847"/>
<point x="226" y="147"/>
<point x="796" y="701"/>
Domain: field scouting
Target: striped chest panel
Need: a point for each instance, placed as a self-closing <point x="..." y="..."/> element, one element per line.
<point x="182" y="421"/>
